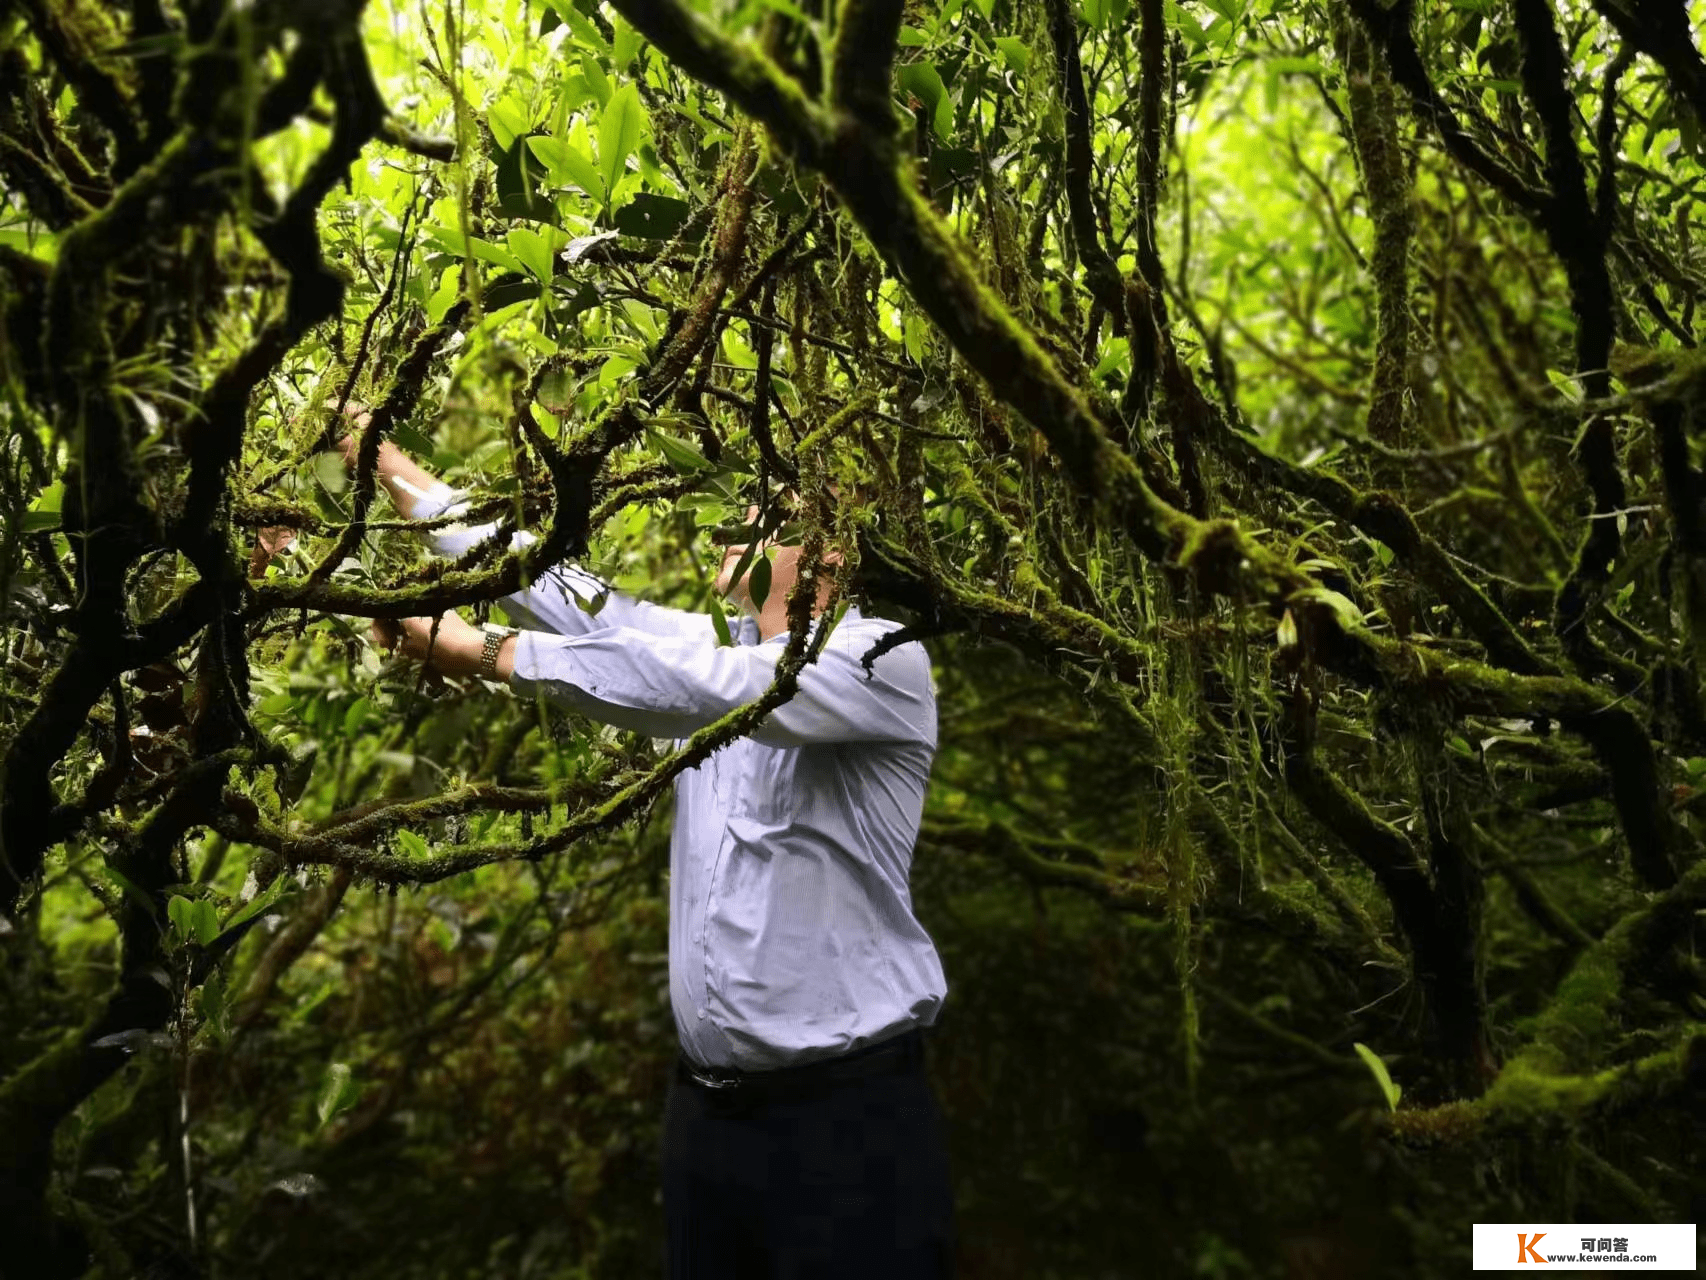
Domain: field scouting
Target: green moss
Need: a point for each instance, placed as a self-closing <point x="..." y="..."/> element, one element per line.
<point x="1581" y="1019"/>
<point x="1526" y="1090"/>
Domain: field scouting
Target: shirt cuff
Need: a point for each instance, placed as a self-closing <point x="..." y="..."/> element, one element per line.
<point x="437" y="499"/>
<point x="525" y="673"/>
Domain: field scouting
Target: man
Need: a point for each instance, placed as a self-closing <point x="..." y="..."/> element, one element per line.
<point x="801" y="1139"/>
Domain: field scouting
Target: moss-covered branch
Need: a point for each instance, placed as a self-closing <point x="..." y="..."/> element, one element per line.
<point x="1555" y="1079"/>
<point x="1386" y="179"/>
<point x="1078" y="171"/>
<point x="1050" y="862"/>
<point x="1663" y="32"/>
<point x="393" y="409"/>
<point x="1389" y="26"/>
<point x="863" y="62"/>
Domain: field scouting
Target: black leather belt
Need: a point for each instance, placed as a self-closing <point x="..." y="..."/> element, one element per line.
<point x="892" y="1055"/>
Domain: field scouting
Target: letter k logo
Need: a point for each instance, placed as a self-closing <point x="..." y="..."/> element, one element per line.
<point x="1525" y="1247"/>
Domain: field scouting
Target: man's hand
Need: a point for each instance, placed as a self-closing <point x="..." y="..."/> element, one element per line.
<point x="405" y="479"/>
<point x="349" y="441"/>
<point x="411" y="637"/>
<point x="269" y="542"/>
<point x="455" y="651"/>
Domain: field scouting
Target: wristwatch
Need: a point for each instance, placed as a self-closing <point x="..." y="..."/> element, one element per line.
<point x="495" y="637"/>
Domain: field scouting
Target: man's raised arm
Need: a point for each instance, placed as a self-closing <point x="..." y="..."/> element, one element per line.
<point x="669" y="687"/>
<point x="550" y="603"/>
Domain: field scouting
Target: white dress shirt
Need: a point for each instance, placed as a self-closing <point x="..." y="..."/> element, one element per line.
<point x="791" y="930"/>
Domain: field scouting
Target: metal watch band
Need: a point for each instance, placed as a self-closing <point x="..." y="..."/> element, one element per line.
<point x="495" y="637"/>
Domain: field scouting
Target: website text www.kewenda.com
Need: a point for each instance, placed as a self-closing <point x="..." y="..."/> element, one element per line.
<point x="1602" y="1257"/>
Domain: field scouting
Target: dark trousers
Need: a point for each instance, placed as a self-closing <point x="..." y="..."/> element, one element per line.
<point x="847" y="1179"/>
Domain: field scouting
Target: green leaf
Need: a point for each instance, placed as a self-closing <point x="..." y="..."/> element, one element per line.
<point x="619" y="131"/>
<point x="756" y="534"/>
<point x="580" y="26"/>
<point x="486" y="251"/>
<point x="568" y="164"/>
<point x="338" y="1091"/>
<point x="453" y="242"/>
<point x="330" y="471"/>
<point x="923" y="81"/>
<point x="614" y="370"/>
<point x="709" y="515"/>
<point x="44" y="511"/>
<point x="652" y="217"/>
<point x="596" y="80"/>
<point x="449" y="289"/>
<point x="411" y="843"/>
<point x="1381" y="1076"/>
<point x="916" y="337"/>
<point x="720" y="624"/>
<point x="180" y="911"/>
<point x="534" y="250"/>
<point x="1567" y="386"/>
<point x="627" y="43"/>
<point x="548" y="152"/>
<point x="1188" y="24"/>
<point x="508" y="121"/>
<point x="1342" y="606"/>
<point x="1116" y="355"/>
<point x="204" y="922"/>
<point x="40" y="244"/>
<point x="758" y="582"/>
<point x="1098" y="13"/>
<point x="678" y="453"/>
<point x="356" y="716"/>
<point x="260" y="902"/>
<point x="590" y="605"/>
<point x="1014" y="52"/>
<point x="738" y="352"/>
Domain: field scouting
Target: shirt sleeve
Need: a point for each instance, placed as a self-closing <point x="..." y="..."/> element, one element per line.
<point x="670" y="686"/>
<point x="549" y="603"/>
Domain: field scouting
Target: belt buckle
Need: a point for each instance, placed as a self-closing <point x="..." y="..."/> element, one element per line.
<point x="711" y="1082"/>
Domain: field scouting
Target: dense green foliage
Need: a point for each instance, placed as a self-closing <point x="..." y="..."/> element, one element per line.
<point x="1280" y="420"/>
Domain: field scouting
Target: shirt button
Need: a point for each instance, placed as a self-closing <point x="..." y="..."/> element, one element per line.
<point x="698" y="937"/>
<point x="701" y="1013"/>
